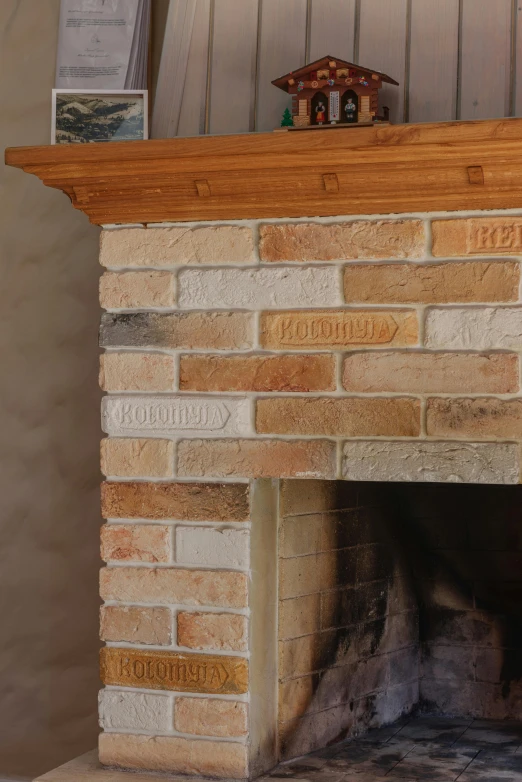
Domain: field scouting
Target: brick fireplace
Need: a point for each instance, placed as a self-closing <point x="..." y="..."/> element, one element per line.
<point x="290" y="405"/>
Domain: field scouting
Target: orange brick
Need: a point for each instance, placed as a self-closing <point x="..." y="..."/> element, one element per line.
<point x="338" y="329"/>
<point x="174" y="754"/>
<point x="182" y="501"/>
<point x="353" y="417"/>
<point x="136" y="372"/>
<point x="257" y="458"/>
<point x="213" y="631"/>
<point x="128" y="457"/>
<point x="257" y="373"/>
<point x="136" y="624"/>
<point x="342" y="241"/>
<point x="135" y="543"/>
<point x="477" y="236"/>
<point x="477" y="418"/>
<point x="211" y="717"/>
<point x="432" y="283"/>
<point x="164" y="586"/>
<point x="424" y="372"/>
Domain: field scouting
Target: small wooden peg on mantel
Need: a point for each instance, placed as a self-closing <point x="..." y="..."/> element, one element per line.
<point x="203" y="188"/>
<point x="475" y="175"/>
<point x="331" y="183"/>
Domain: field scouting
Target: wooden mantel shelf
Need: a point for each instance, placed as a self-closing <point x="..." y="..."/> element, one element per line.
<point x="376" y="170"/>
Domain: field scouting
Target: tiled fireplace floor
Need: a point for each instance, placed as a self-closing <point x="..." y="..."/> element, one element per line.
<point x="420" y="749"/>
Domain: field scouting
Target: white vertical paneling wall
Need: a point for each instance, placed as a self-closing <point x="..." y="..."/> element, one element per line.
<point x="192" y="120"/>
<point x="332" y="29"/>
<point x="382" y="45"/>
<point x="233" y="66"/>
<point x="434" y="59"/>
<point x="454" y="59"/>
<point x="281" y="48"/>
<point x="485" y="59"/>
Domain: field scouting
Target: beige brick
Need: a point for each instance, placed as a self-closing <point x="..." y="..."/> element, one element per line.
<point x="428" y="461"/>
<point x="432" y="283"/>
<point x="128" y="290"/>
<point x="354" y="417"/>
<point x="304" y="496"/>
<point x="257" y="373"/>
<point x="477" y="418"/>
<point x="213" y="547"/>
<point x="304" y="534"/>
<point x="421" y="372"/>
<point x="298" y="656"/>
<point x="299" y="616"/>
<point x="164" y="586"/>
<point x="136" y="624"/>
<point x="338" y="329"/>
<point x="136" y="372"/>
<point x="342" y="241"/>
<point x="227" y="632"/>
<point x="174" y="754"/>
<point x="295" y="696"/>
<point x="257" y="458"/>
<point x="175" y="246"/>
<point x="134" y="457"/>
<point x="182" y="330"/>
<point x="304" y="575"/>
<point x="211" y="717"/>
<point x="182" y="501"/>
<point x="135" y="543"/>
<point x="477" y="236"/>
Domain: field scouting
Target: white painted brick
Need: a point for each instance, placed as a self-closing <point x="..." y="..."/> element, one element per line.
<point x="260" y="288"/>
<point x="474" y="328"/>
<point x="188" y="415"/>
<point x="213" y="547"/>
<point x="134" y="711"/>
<point x="443" y="462"/>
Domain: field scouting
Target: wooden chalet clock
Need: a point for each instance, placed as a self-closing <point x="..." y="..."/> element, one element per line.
<point x="331" y="92"/>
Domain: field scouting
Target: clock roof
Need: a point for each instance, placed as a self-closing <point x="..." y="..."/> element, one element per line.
<point x="282" y="81"/>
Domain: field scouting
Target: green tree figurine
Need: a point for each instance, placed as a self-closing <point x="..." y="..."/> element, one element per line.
<point x="287" y="121"/>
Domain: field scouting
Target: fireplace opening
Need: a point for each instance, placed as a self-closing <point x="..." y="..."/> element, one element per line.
<point x="396" y="600"/>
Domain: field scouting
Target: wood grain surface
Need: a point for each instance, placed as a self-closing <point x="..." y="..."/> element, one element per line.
<point x="379" y="170"/>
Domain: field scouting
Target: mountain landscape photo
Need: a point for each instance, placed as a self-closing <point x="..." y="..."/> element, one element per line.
<point x="87" y="118"/>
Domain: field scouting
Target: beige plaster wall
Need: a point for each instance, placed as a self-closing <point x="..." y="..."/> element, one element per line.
<point x="49" y="428"/>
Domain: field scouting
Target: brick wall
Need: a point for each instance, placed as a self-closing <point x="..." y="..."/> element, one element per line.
<point x="348" y="621"/>
<point x="382" y="350"/>
<point x="465" y="547"/>
<point x="285" y="346"/>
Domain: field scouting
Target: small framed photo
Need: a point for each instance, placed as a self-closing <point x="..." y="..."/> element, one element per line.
<point x="94" y="116"/>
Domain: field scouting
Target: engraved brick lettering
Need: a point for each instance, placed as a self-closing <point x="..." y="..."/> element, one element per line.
<point x="500" y="235"/>
<point x="505" y="237"/>
<point x="161" y="670"/>
<point x="285" y="325"/>
<point x="337" y="328"/>
<point x="124" y="414"/>
<point x="172" y="671"/>
<point x="161" y="415"/>
<point x="484" y="238"/>
<point x="477" y="236"/>
<point x="124" y="666"/>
